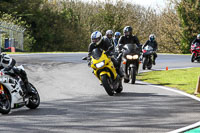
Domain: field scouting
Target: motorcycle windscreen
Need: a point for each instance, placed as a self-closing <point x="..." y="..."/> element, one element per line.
<point x="148" y="48"/>
<point x="131" y="48"/>
<point x="96" y="53"/>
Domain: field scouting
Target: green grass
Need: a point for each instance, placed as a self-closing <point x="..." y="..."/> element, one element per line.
<point x="183" y="79"/>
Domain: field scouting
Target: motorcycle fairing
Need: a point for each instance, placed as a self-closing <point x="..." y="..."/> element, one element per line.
<point x="107" y="65"/>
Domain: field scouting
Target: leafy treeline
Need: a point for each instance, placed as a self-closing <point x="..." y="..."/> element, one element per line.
<point x="189" y="13"/>
<point x="66" y="25"/>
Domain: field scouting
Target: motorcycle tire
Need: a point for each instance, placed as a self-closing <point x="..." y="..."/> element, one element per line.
<point x="193" y="57"/>
<point x="34" y="100"/>
<point x="120" y="88"/>
<point x="126" y="80"/>
<point x="149" y="67"/>
<point x="106" y="85"/>
<point x="145" y="63"/>
<point x="133" y="75"/>
<point x="5" y="102"/>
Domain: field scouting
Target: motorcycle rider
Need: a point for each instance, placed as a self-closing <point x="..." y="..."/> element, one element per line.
<point x="128" y="38"/>
<point x="7" y="64"/>
<point x="197" y="39"/>
<point x="116" y="38"/>
<point x="97" y="41"/>
<point x="152" y="42"/>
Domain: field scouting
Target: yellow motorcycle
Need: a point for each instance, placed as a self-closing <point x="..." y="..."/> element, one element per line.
<point x="105" y="71"/>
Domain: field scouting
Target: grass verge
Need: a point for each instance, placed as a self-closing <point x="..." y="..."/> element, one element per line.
<point x="182" y="79"/>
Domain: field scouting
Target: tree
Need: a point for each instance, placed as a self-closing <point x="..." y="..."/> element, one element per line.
<point x="189" y="13"/>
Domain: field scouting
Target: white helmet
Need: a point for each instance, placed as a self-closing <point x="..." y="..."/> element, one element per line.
<point x="198" y="36"/>
<point x="152" y="37"/>
<point x="5" y="60"/>
<point x="109" y="32"/>
<point x="96" y="37"/>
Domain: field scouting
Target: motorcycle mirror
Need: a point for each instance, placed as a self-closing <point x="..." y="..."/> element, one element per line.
<point x="84" y="58"/>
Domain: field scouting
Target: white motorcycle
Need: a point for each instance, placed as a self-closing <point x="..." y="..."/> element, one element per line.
<point x="147" y="57"/>
<point x="12" y="95"/>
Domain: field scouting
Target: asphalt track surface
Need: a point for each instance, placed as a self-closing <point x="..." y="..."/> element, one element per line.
<point x="72" y="101"/>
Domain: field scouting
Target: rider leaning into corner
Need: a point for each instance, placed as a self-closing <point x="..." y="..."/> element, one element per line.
<point x="197" y="39"/>
<point x="97" y="41"/>
<point x="7" y="64"/>
<point x="152" y="42"/>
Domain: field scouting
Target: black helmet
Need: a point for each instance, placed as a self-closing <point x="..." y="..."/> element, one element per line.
<point x="127" y="30"/>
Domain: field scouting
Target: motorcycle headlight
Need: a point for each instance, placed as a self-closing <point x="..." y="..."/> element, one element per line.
<point x="135" y="57"/>
<point x="130" y="57"/>
<point x="100" y="64"/>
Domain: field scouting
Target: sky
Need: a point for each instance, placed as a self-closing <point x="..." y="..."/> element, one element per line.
<point x="151" y="3"/>
<point x="145" y="3"/>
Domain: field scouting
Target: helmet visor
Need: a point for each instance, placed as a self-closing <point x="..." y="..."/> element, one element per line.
<point x="127" y="33"/>
<point x="117" y="36"/>
<point x="95" y="40"/>
<point x="109" y="35"/>
<point x="152" y="38"/>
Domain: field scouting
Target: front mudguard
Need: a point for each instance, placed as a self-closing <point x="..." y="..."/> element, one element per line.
<point x="104" y="73"/>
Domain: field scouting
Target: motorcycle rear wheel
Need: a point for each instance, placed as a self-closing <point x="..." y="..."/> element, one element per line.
<point x="106" y="85"/>
<point x="34" y="100"/>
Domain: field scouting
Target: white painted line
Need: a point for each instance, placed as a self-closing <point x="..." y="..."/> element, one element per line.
<point x="173" y="90"/>
<point x="182" y="93"/>
<point x="186" y="128"/>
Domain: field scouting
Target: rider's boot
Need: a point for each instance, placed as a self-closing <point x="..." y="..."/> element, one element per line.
<point x="154" y="59"/>
<point x="154" y="63"/>
<point x="29" y="88"/>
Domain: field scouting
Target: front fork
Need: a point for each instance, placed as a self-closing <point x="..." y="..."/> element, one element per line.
<point x="195" y="53"/>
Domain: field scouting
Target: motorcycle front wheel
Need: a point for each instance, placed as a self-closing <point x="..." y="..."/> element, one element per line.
<point x="193" y="57"/>
<point x="133" y="75"/>
<point x="149" y="66"/>
<point x="107" y="85"/>
<point x="145" y="63"/>
<point x="34" y="100"/>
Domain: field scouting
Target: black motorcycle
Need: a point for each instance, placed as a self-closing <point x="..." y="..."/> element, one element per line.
<point x="147" y="57"/>
<point x="130" y="62"/>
